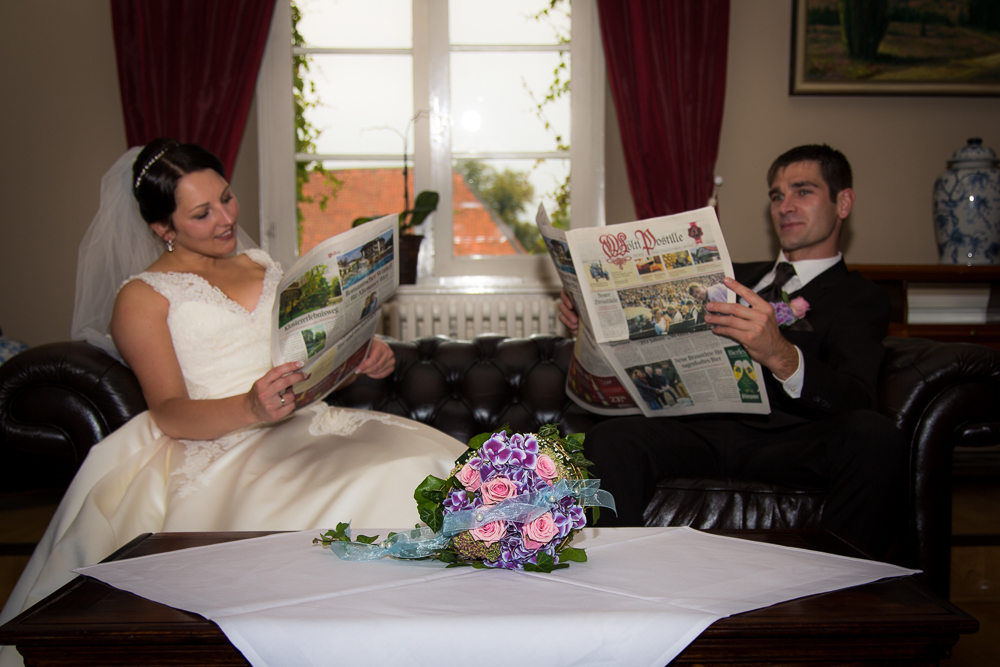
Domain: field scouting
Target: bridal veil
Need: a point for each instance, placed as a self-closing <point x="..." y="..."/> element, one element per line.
<point x="118" y="245"/>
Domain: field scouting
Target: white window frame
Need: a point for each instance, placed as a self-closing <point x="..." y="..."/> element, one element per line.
<point x="439" y="269"/>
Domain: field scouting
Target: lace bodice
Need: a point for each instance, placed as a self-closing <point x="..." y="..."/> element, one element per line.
<point x="222" y="349"/>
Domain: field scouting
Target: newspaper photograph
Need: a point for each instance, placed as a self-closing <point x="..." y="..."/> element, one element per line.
<point x="329" y="303"/>
<point x="590" y="380"/>
<point x="640" y="289"/>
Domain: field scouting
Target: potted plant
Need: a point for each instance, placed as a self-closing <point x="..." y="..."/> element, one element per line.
<point x="409" y="243"/>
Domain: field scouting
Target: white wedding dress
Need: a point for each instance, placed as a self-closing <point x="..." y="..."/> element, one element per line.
<point x="321" y="466"/>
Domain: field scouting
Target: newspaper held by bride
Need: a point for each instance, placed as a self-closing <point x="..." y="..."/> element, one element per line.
<point x="329" y="303"/>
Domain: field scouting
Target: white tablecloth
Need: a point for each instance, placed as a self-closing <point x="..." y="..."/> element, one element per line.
<point x="643" y="596"/>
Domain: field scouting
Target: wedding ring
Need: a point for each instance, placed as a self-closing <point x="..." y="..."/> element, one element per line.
<point x="282" y="397"/>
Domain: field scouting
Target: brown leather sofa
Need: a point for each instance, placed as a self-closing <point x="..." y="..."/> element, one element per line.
<point x="58" y="400"/>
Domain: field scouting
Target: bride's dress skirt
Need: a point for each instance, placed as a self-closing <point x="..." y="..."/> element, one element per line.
<point x="320" y="467"/>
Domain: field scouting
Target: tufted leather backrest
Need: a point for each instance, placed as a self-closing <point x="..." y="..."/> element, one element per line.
<point x="468" y="387"/>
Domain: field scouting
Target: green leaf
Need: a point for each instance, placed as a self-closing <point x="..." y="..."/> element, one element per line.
<point x="428" y="489"/>
<point x="429" y="496"/>
<point x="575" y="441"/>
<point x="545" y="564"/>
<point x="478" y="441"/>
<point x="342" y="533"/>
<point x="365" y="539"/>
<point x="425" y="204"/>
<point x="360" y="221"/>
<point x="548" y="431"/>
<point x="434" y="517"/>
<point x="575" y="555"/>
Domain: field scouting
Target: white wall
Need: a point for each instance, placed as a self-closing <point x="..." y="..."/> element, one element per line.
<point x="62" y="128"/>
<point x="897" y="145"/>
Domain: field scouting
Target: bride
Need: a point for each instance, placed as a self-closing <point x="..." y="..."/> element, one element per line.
<point x="221" y="446"/>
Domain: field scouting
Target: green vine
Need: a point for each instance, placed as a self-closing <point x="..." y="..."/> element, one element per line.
<point x="305" y="98"/>
<point x="559" y="87"/>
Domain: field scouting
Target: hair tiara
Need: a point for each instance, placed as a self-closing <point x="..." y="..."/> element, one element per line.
<point x="152" y="161"/>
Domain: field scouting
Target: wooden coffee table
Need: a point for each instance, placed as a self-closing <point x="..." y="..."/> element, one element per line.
<point x="892" y="622"/>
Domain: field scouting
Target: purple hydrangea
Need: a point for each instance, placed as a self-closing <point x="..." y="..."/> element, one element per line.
<point x="457" y="500"/>
<point x="515" y="459"/>
<point x="783" y="313"/>
<point x="496" y="450"/>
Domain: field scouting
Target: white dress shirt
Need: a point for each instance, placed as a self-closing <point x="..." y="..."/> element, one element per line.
<point x="805" y="271"/>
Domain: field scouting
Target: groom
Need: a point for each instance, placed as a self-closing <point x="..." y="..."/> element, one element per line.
<point x="821" y="375"/>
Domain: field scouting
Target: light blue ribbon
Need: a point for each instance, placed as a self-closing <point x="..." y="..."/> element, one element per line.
<point x="529" y="506"/>
<point x="417" y="543"/>
<point x="423" y="542"/>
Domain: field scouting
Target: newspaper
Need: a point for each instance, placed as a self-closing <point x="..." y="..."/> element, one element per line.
<point x="643" y="346"/>
<point x="329" y="303"/>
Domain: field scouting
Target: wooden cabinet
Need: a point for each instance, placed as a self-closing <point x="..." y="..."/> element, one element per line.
<point x="896" y="279"/>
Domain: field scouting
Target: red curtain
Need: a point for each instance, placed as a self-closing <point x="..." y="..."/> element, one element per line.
<point x="187" y="69"/>
<point x="667" y="69"/>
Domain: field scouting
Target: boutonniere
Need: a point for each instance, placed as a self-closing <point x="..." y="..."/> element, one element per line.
<point x="789" y="311"/>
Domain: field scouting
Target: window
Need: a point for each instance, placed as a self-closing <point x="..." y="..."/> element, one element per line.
<point x="438" y="81"/>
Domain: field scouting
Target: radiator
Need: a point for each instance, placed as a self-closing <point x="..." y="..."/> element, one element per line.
<point x="464" y="316"/>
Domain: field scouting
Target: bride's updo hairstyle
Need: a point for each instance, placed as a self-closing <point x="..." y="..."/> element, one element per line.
<point x="157" y="170"/>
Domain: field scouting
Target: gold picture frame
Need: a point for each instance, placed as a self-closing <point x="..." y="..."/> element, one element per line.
<point x="927" y="47"/>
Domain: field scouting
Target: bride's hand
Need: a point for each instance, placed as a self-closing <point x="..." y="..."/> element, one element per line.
<point x="380" y="361"/>
<point x="270" y="398"/>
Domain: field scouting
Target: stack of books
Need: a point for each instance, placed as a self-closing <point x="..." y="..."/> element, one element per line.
<point x="947" y="303"/>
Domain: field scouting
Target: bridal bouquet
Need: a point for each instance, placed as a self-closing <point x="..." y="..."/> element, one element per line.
<point x="512" y="501"/>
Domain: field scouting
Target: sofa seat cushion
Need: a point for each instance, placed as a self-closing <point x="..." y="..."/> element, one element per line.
<point x="731" y="504"/>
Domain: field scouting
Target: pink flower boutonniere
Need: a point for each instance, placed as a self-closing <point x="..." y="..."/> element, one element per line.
<point x="788" y="312"/>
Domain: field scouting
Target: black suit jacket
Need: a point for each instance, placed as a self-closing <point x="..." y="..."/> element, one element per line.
<point x="848" y="317"/>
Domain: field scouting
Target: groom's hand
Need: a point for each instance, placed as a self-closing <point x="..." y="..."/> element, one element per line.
<point x="567" y="313"/>
<point x="755" y="328"/>
<point x="380" y="362"/>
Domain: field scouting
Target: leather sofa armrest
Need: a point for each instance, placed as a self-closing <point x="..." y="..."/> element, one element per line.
<point x="917" y="372"/>
<point x="56" y="402"/>
<point x="941" y="395"/>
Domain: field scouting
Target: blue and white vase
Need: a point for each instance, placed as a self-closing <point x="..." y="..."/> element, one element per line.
<point x="10" y="347"/>
<point x="967" y="207"/>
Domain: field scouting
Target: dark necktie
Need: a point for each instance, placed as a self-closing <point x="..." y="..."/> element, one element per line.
<point x="782" y="274"/>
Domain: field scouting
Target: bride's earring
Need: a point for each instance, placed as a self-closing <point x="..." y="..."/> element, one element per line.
<point x="170" y="244"/>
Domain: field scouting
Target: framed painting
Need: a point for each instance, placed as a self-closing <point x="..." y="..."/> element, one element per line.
<point x="895" y="47"/>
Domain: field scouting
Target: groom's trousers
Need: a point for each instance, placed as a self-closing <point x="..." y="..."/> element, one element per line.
<point x="856" y="457"/>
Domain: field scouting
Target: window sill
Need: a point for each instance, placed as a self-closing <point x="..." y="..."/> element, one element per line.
<point x="459" y="285"/>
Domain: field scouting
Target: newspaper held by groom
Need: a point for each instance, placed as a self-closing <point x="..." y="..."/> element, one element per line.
<point x="329" y="304"/>
<point x="643" y="346"/>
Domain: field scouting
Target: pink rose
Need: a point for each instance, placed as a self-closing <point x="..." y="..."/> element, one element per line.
<point x="497" y="490"/>
<point x="490" y="532"/>
<point x="469" y="478"/>
<point x="799" y="307"/>
<point x="539" y="532"/>
<point x="546" y="468"/>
